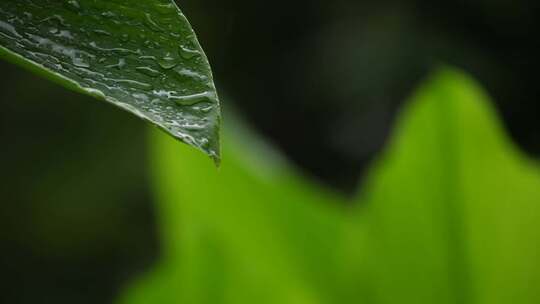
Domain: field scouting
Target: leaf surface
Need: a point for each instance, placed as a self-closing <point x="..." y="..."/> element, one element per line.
<point x="141" y="56"/>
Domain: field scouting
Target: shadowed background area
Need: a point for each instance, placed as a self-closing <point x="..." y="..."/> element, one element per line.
<point x="322" y="80"/>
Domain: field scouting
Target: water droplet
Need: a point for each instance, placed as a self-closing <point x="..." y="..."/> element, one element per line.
<point x="4" y="26"/>
<point x="189" y="100"/>
<point x="151" y="24"/>
<point x="165" y="8"/>
<point x="168" y="62"/>
<point x="55" y="19"/>
<point x="95" y="93"/>
<point x="65" y="34"/>
<point x="152" y="44"/>
<point x="204" y="142"/>
<point x="73" y="5"/>
<point x="140" y="97"/>
<point x="102" y="32"/>
<point x="192" y="127"/>
<point x="206" y="109"/>
<point x="187" y="53"/>
<point x="134" y="84"/>
<point x="186" y="73"/>
<point x="108" y="14"/>
<point x="79" y="62"/>
<point x="148" y="71"/>
<point x="120" y="65"/>
<point x="94" y="45"/>
<point x="156" y="101"/>
<point x="145" y="57"/>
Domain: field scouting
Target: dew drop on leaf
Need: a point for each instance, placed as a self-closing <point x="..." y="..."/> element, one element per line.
<point x="148" y="71"/>
<point x="189" y="100"/>
<point x="187" y="53"/>
<point x="167" y="62"/>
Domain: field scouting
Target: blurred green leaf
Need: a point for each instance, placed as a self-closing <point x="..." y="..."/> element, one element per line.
<point x="141" y="56"/>
<point x="252" y="220"/>
<point x="449" y="214"/>
<point x="453" y="207"/>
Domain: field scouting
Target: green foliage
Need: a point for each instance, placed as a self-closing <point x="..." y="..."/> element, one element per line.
<point x="141" y="56"/>
<point x="448" y="215"/>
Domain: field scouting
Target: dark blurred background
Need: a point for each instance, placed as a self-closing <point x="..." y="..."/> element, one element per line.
<point x="322" y="80"/>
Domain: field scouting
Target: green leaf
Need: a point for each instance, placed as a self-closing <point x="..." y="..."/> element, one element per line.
<point x="449" y="214"/>
<point x="253" y="232"/>
<point x="453" y="206"/>
<point x="141" y="56"/>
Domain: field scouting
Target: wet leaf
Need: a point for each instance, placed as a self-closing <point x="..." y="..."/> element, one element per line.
<point x="141" y="56"/>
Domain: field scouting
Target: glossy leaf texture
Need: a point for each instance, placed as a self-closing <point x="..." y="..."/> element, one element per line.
<point x="141" y="56"/>
<point x="449" y="214"/>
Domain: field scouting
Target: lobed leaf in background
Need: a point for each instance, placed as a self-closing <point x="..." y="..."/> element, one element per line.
<point x="453" y="207"/>
<point x="242" y="234"/>
<point x="141" y="56"/>
<point x="449" y="214"/>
